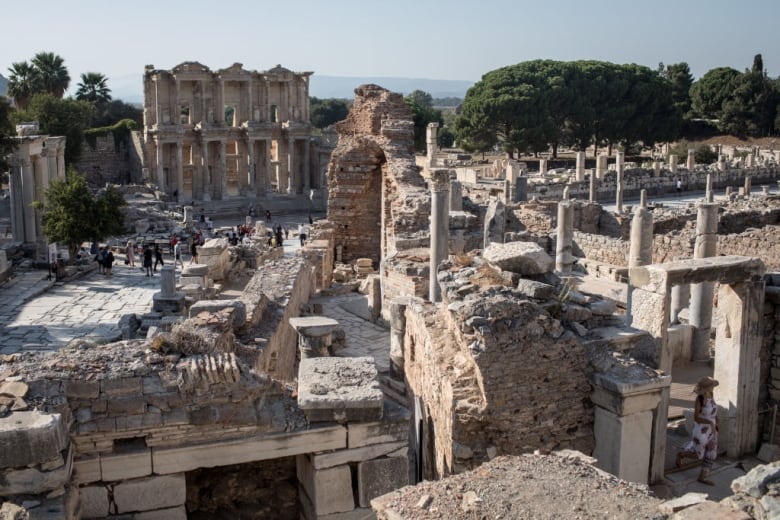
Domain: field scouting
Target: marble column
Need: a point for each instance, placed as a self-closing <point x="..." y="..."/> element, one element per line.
<point x="681" y="297"/>
<point x="252" y="165"/>
<point x="619" y="187"/>
<point x="306" y="167"/>
<point x="640" y="250"/>
<point x="702" y="293"/>
<point x="580" y="166"/>
<point x="592" y="194"/>
<point x="601" y="166"/>
<point x="440" y="185"/>
<point x="564" y="260"/>
<point x="709" y="196"/>
<point x="291" y="182"/>
<point x="542" y="166"/>
<point x="222" y="171"/>
<point x="673" y="163"/>
<point x="265" y="178"/>
<point x="431" y="134"/>
<point x="160" y="156"/>
<point x="691" y="163"/>
<point x="748" y="185"/>
<point x="179" y="173"/>
<point x="721" y="163"/>
<point x="657" y="168"/>
<point x="620" y="159"/>
<point x="206" y="176"/>
<point x="397" y="332"/>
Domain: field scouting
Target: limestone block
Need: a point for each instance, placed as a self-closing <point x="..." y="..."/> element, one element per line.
<point x="30" y="481"/>
<point x="171" y="513"/>
<point x="30" y="438"/>
<point x="121" y="387"/>
<point x="94" y="502"/>
<point x="87" y="470"/>
<point x="174" y="460"/>
<point x="14" y="388"/>
<point x="149" y="494"/>
<point x="174" y="304"/>
<point x="126" y="465"/>
<point x="314" y="326"/>
<point x="755" y="482"/>
<point x="377" y="477"/>
<point x="534" y="289"/>
<point x="330" y="490"/>
<point x="623" y="444"/>
<point x="373" y="451"/>
<point x="339" y="389"/>
<point x="239" y="309"/>
<point x="393" y="427"/>
<point x="525" y="258"/>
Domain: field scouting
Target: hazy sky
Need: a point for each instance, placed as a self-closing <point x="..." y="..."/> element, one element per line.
<point x="455" y="39"/>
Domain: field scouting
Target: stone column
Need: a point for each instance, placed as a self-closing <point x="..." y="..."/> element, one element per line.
<point x="188" y="217"/>
<point x="16" y="187"/>
<point x="206" y="177"/>
<point x="265" y="178"/>
<point x="620" y="159"/>
<point x="542" y="166"/>
<point x="222" y="170"/>
<point x="592" y="195"/>
<point x="721" y="163"/>
<point x="657" y="168"/>
<point x="564" y="260"/>
<point x="440" y="184"/>
<point x="521" y="189"/>
<point x="681" y="296"/>
<point x="291" y="165"/>
<point x="709" y="196"/>
<point x="702" y="293"/>
<point x="397" y="332"/>
<point x="738" y="344"/>
<point x="619" y="187"/>
<point x="640" y="250"/>
<point x="673" y="163"/>
<point x="252" y="166"/>
<point x="431" y="133"/>
<point x="691" y="163"/>
<point x="508" y="192"/>
<point x="456" y="196"/>
<point x="160" y="162"/>
<point x="315" y="335"/>
<point x="179" y="173"/>
<point x="306" y="168"/>
<point x="750" y="161"/>
<point x="748" y="185"/>
<point x="167" y="281"/>
<point x="580" y="166"/>
<point x="601" y="166"/>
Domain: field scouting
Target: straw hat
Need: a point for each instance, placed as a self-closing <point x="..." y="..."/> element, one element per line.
<point x="705" y="382"/>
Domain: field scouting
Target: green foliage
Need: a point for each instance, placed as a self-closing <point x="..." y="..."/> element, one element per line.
<point x="72" y="214"/>
<point x="447" y="101"/>
<point x="325" y="112"/>
<point x="711" y="91"/>
<point x="7" y="131"/>
<point x="67" y="117"/>
<point x="23" y="83"/>
<point x="52" y="73"/>
<point x="446" y="137"/>
<point x="680" y="77"/>
<point x="107" y="114"/>
<point x="421" y="116"/>
<point x="702" y="153"/>
<point x="121" y="132"/>
<point x="93" y="88"/>
<point x="535" y="105"/>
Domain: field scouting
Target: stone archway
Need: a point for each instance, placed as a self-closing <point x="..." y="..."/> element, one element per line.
<point x="738" y="340"/>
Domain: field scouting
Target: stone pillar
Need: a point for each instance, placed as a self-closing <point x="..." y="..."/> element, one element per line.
<point x="16" y="182"/>
<point x="222" y="171"/>
<point x="592" y="195"/>
<point x="168" y="300"/>
<point x="691" y="163"/>
<point x="456" y="196"/>
<point x="681" y="296"/>
<point x="306" y="166"/>
<point x="508" y="192"/>
<point x="512" y="171"/>
<point x="521" y="189"/>
<point x="702" y="293"/>
<point x="564" y="260"/>
<point x="619" y="187"/>
<point x="640" y="250"/>
<point x="728" y="192"/>
<point x="620" y="159"/>
<point x="160" y="162"/>
<point x="748" y="185"/>
<point x="580" y="166"/>
<point x="206" y="177"/>
<point x="673" y="163"/>
<point x="601" y="166"/>
<point x="167" y="281"/>
<point x="252" y="166"/>
<point x="431" y="133"/>
<point x="721" y="163"/>
<point x="623" y="423"/>
<point x="290" y="165"/>
<point x="440" y="184"/>
<point x="657" y="168"/>
<point x="750" y="161"/>
<point x="738" y="344"/>
<point x="315" y="335"/>
<point x="179" y="173"/>
<point x="265" y="179"/>
<point x="542" y="166"/>
<point x="709" y="195"/>
<point x="397" y="332"/>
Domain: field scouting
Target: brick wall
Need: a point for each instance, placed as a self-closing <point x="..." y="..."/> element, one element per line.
<point x="109" y="162"/>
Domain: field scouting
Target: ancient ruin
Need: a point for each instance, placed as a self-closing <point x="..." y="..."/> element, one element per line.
<point x="490" y="333"/>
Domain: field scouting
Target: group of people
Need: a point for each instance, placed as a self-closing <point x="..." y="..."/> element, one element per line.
<point x="105" y="259"/>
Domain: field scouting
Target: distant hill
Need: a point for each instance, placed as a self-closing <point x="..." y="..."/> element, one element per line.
<point x="129" y="88"/>
<point x="3" y="85"/>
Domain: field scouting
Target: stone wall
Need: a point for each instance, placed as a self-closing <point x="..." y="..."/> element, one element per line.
<point x="376" y="195"/>
<point x="109" y="161"/>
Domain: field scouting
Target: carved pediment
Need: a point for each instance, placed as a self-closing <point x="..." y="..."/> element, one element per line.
<point x="190" y="66"/>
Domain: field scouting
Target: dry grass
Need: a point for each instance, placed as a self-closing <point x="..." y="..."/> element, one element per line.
<point x="487" y="277"/>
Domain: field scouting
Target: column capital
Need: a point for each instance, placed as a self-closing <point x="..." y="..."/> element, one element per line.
<point x="440" y="180"/>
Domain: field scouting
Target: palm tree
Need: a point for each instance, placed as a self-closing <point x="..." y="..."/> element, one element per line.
<point x="53" y="73"/>
<point x="23" y="83"/>
<point x="93" y="88"/>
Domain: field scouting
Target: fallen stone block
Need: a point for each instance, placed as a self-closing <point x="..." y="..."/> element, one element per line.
<point x="683" y="502"/>
<point x="525" y="258"/>
<point x="30" y="438"/>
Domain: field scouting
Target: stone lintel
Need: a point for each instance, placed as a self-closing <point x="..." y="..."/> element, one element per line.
<point x="722" y="269"/>
<point x="174" y="460"/>
<point x="625" y="404"/>
<point x="337" y="458"/>
<point x="314" y="326"/>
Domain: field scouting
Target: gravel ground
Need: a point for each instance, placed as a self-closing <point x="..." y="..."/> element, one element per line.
<point x="526" y="487"/>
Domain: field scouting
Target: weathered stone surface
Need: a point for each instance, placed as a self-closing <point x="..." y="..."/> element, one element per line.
<point x="537" y="290"/>
<point x="126" y="465"/>
<point x="314" y="325"/>
<point x="29" y="438"/>
<point x="211" y="306"/>
<point x="373" y="451"/>
<point x="708" y="511"/>
<point x="339" y="389"/>
<point x="685" y="501"/>
<point x="756" y="481"/>
<point x="94" y="501"/>
<point x="330" y="490"/>
<point x="14" y="388"/>
<point x="171" y="513"/>
<point x="377" y="477"/>
<point x="393" y="427"/>
<point x="87" y="470"/>
<point x="525" y="258"/>
<point x="150" y="493"/>
<point x="30" y="481"/>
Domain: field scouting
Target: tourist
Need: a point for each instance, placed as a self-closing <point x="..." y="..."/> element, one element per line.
<point x="202" y="217"/>
<point x="704" y="441"/>
<point x="194" y="250"/>
<point x="108" y="261"/>
<point x="148" y="260"/>
<point x="177" y="255"/>
<point x="100" y="257"/>
<point x="302" y="234"/>
<point x="158" y="256"/>
<point x="129" y="254"/>
<point x="268" y="215"/>
<point x="173" y="242"/>
<point x="679" y="187"/>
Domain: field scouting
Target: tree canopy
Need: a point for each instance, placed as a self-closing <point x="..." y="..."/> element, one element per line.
<point x="535" y="105"/>
<point x="7" y="131"/>
<point x="423" y="113"/>
<point x="325" y="112"/>
<point x="52" y="73"/>
<point x="93" y="88"/>
<point x="72" y="214"/>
